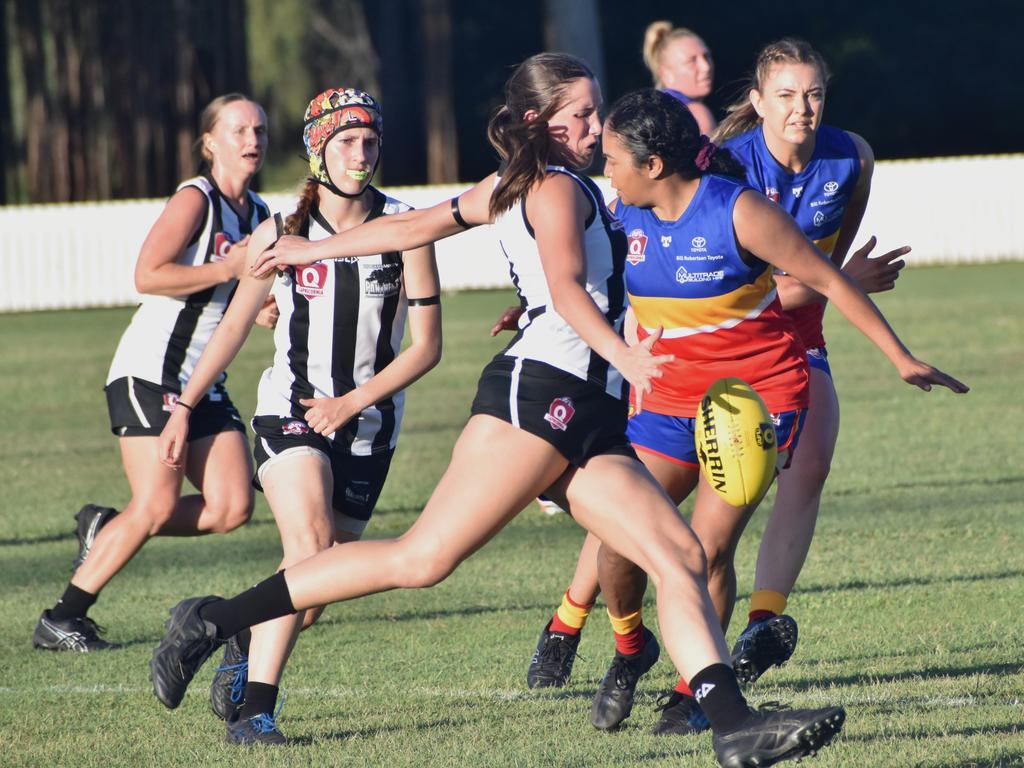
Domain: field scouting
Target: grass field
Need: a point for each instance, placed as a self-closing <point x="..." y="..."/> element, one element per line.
<point x="908" y="606"/>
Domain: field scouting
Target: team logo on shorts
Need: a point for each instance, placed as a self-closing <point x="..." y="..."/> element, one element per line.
<point x="310" y="280"/>
<point x="170" y="401"/>
<point x="637" y="251"/>
<point x="560" y="413"/>
<point x="295" y="428"/>
<point x="221" y="245"/>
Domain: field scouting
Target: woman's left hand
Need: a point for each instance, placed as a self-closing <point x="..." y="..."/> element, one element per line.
<point x="640" y="366"/>
<point x="288" y="251"/>
<point x="922" y="375"/>
<point x="328" y="414"/>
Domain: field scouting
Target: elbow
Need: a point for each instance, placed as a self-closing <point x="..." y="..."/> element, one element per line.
<point x="430" y="355"/>
<point x="144" y="282"/>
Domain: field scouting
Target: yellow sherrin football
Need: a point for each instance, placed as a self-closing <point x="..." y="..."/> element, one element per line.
<point x="736" y="442"/>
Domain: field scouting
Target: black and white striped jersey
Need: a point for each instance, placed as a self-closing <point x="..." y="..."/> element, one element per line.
<point x="341" y="322"/>
<point x="544" y="335"/>
<point x="167" y="334"/>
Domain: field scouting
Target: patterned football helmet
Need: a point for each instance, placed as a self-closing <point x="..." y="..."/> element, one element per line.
<point x="335" y="110"/>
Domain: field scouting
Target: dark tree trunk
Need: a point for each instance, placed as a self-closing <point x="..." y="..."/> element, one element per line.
<point x="57" y="22"/>
<point x="7" y="159"/>
<point x="442" y="144"/>
<point x="29" y="27"/>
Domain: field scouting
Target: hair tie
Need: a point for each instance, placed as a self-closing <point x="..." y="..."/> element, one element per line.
<point x="705" y="153"/>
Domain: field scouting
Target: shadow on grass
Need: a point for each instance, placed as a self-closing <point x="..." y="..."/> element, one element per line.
<point x="50" y="538"/>
<point x="915" y="651"/>
<point x="374" y="731"/>
<point x="911" y="581"/>
<point x="1009" y="760"/>
<point x="469" y="610"/>
<point x="1007" y="729"/>
<point x="927" y="673"/>
<point x="959" y="483"/>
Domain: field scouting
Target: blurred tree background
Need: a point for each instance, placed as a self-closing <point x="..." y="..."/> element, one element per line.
<point x="101" y="98"/>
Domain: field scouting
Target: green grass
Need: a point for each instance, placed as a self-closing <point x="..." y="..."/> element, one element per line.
<point x="908" y="605"/>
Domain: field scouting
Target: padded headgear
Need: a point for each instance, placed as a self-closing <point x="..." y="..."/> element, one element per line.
<point x="328" y="113"/>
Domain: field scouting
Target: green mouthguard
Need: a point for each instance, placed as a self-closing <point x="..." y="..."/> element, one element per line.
<point x="358" y="175"/>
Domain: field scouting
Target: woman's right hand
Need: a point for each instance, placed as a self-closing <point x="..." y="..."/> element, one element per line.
<point x="235" y="257"/>
<point x="288" y="251"/>
<point x="171" y="443"/>
<point x="639" y="366"/>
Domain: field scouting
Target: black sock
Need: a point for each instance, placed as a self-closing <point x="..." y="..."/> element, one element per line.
<point x="73" y="604"/>
<point x="718" y="694"/>
<point x="267" y="600"/>
<point x="260" y="698"/>
<point x="244" y="638"/>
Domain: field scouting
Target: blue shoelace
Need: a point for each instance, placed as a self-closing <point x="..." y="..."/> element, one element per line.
<point x="264" y="723"/>
<point x="241" y="670"/>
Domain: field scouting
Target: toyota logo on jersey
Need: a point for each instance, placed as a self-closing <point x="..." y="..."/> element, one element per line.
<point x="310" y="280"/>
<point x="560" y="412"/>
<point x="221" y="245"/>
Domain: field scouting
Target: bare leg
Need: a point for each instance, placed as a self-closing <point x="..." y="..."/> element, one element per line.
<point x="656" y="538"/>
<point x="496" y="471"/>
<point x="219" y="465"/>
<point x="624" y="583"/>
<point x="788" y="534"/>
<point x="298" y="490"/>
<point x="719" y="526"/>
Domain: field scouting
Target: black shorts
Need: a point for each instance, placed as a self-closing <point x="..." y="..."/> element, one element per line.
<point x="140" y="408"/>
<point x="358" y="480"/>
<point x="575" y="416"/>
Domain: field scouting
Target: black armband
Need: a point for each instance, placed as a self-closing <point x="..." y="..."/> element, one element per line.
<point x="457" y="215"/>
<point x="425" y="302"/>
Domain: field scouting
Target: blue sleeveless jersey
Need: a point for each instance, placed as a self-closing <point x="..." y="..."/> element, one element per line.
<point x="720" y="315"/>
<point x="816" y="197"/>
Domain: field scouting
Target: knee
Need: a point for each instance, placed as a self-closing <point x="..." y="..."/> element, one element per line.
<point x="152" y="511"/>
<point x="810" y="470"/>
<point x="422" y="563"/>
<point x="718" y="557"/>
<point x="300" y="544"/>
<point x="311" y="616"/>
<point x="230" y="511"/>
<point x="686" y="563"/>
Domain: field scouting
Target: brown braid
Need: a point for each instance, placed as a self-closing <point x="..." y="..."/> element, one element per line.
<point x="310" y="192"/>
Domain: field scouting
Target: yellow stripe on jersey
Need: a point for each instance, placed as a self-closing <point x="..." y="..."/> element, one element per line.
<point x="828" y="244"/>
<point x="687" y="317"/>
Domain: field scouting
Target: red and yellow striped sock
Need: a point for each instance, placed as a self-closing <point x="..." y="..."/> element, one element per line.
<point x="570" y="617"/>
<point x="629" y="632"/>
<point x="765" y="603"/>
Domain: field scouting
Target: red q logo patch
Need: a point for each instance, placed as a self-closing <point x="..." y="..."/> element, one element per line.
<point x="310" y="280"/>
<point x="295" y="428"/>
<point x="221" y="244"/>
<point x="772" y="194"/>
<point x="170" y="401"/>
<point x="560" y="412"/>
<point x="637" y="251"/>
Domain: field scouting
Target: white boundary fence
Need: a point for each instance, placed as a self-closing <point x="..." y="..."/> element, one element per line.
<point x="951" y="210"/>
